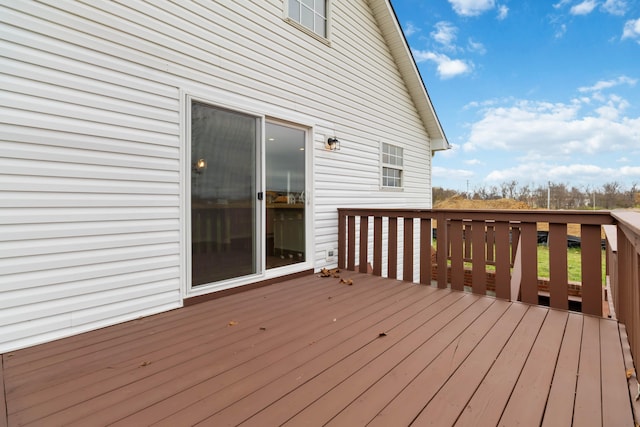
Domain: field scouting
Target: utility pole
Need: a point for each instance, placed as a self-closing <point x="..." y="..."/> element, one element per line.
<point x="549" y="195"/>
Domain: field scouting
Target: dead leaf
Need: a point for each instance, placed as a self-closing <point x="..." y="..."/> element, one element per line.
<point x="145" y="363"/>
<point x="263" y="328"/>
<point x="382" y="334"/>
<point x="330" y="273"/>
<point x="630" y="372"/>
<point x="232" y="323"/>
<point x="348" y="282"/>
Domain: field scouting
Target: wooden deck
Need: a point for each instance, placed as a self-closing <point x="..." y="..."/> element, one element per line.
<point x="312" y="351"/>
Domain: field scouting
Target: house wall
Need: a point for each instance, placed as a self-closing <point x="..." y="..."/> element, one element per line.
<point x="92" y="157"/>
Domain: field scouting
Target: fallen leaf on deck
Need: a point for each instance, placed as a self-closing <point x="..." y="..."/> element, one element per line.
<point x="232" y="323"/>
<point x="145" y="363"/>
<point x="325" y="273"/>
<point x="382" y="334"/>
<point x="348" y="282"/>
<point x="630" y="373"/>
<point x="263" y="328"/>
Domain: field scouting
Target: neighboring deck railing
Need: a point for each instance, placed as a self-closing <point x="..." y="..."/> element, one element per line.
<point x="507" y="240"/>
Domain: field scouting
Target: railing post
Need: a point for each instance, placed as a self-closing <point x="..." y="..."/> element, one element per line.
<point x="529" y="253"/>
<point x="377" y="246"/>
<point x="364" y="244"/>
<point x="457" y="254"/>
<point x="351" y="244"/>
<point x="442" y="249"/>
<point x="558" y="289"/>
<point x="478" y="256"/>
<point x="503" y="260"/>
<point x="392" y="264"/>
<point x="591" y="269"/>
<point x="407" y="253"/>
<point x="425" y="251"/>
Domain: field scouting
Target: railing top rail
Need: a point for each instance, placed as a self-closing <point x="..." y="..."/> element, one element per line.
<point x="568" y="217"/>
<point x="629" y="219"/>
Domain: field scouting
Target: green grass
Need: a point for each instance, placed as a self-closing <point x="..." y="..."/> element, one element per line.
<point x="574" y="262"/>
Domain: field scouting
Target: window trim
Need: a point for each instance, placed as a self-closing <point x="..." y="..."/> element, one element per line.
<point x="384" y="165"/>
<point x="326" y="39"/>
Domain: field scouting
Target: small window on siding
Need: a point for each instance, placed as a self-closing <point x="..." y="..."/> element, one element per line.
<point x="392" y="166"/>
<point x="311" y="14"/>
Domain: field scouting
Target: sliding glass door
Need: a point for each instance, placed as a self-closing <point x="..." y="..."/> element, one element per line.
<point x="224" y="210"/>
<point x="241" y="224"/>
<point x="285" y="195"/>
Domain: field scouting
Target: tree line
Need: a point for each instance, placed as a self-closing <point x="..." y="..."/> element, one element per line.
<point x="611" y="195"/>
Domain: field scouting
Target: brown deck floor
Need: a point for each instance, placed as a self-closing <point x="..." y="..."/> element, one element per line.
<point x="312" y="351"/>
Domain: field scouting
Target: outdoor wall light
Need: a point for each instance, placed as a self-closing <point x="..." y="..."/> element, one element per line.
<point x="332" y="144"/>
<point x="199" y="166"/>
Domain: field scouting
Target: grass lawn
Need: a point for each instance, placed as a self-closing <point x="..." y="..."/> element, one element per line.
<point x="574" y="262"/>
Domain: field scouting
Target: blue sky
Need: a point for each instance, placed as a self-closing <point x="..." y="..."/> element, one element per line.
<point x="531" y="90"/>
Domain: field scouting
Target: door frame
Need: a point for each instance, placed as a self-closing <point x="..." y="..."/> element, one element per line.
<point x="249" y="107"/>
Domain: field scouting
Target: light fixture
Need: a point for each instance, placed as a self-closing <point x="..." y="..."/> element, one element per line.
<point x="199" y="166"/>
<point x="332" y="144"/>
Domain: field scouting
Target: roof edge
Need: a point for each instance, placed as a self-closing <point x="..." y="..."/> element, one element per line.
<point x="399" y="47"/>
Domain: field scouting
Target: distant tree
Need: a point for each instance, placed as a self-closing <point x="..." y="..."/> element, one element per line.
<point x="440" y="194"/>
<point x="610" y="194"/>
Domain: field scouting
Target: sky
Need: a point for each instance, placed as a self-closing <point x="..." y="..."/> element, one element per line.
<point x="533" y="91"/>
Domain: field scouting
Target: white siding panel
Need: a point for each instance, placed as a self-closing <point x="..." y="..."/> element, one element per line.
<point x="26" y="296"/>
<point x="40" y="330"/>
<point x="89" y="181"/>
<point x="90" y="185"/>
<point x="87" y="272"/>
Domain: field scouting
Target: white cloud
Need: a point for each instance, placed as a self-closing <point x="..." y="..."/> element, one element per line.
<point x="410" y="29"/>
<point x="503" y="11"/>
<point x="445" y="34"/>
<point x="440" y="172"/>
<point x="471" y="7"/>
<point x="477" y="47"/>
<point x="446" y="66"/>
<point x="584" y="8"/>
<point x="632" y="30"/>
<point x="560" y="31"/>
<point x="607" y="84"/>
<point x="552" y="130"/>
<point x="473" y="162"/>
<point x="542" y="172"/>
<point x="561" y="4"/>
<point x="615" y="7"/>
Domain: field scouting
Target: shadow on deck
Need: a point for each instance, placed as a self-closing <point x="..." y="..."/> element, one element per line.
<point x="314" y="351"/>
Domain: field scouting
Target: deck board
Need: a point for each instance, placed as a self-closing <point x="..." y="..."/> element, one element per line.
<point x="561" y="400"/>
<point x="310" y="351"/>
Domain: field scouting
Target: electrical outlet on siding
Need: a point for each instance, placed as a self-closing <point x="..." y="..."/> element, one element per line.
<point x="331" y="255"/>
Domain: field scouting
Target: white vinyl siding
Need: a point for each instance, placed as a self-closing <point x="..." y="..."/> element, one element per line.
<point x="91" y="180"/>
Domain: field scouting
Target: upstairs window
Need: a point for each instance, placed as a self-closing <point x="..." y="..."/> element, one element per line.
<point x="392" y="166"/>
<point x="311" y="14"/>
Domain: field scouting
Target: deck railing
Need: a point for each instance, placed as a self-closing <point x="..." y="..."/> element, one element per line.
<point x="623" y="255"/>
<point x="507" y="240"/>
